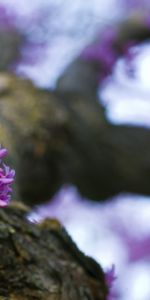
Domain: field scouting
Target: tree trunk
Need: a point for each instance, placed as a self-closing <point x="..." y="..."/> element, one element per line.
<point x="64" y="137"/>
<point x="42" y="262"/>
<point x="53" y="142"/>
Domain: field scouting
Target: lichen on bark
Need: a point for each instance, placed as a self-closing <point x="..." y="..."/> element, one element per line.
<point x="42" y="262"/>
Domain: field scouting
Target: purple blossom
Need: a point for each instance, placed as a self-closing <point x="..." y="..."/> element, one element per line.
<point x="3" y="152"/>
<point x="103" y="52"/>
<point x="7" y="18"/>
<point x="108" y="49"/>
<point x="135" y="5"/>
<point x="6" y="179"/>
<point x="110" y="277"/>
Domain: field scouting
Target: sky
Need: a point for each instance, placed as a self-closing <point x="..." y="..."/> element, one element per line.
<point x="72" y="34"/>
<point x="125" y="99"/>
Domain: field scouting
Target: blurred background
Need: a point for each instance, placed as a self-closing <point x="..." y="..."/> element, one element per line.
<point x="54" y="33"/>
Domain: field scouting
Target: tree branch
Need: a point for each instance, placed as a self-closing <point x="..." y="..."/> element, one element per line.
<point x="42" y="262"/>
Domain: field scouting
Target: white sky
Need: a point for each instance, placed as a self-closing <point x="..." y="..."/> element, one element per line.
<point x="127" y="99"/>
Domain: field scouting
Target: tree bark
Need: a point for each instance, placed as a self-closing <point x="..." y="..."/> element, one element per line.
<point x="64" y="137"/>
<point x="42" y="262"/>
<point x="53" y="141"/>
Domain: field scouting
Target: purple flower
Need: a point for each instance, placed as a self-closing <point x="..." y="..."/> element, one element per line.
<point x="106" y="52"/>
<point x="6" y="179"/>
<point x="109" y="48"/>
<point x="110" y="277"/>
<point x="3" y="152"/>
<point x="103" y="52"/>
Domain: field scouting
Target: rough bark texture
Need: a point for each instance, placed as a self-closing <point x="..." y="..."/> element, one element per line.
<point x="42" y="262"/>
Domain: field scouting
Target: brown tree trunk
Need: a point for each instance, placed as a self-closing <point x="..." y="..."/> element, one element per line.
<point x="42" y="262"/>
<point x="53" y="141"/>
<point x="65" y="137"/>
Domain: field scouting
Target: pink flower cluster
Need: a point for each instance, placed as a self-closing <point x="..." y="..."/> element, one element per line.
<point x="6" y="179"/>
<point x="110" y="277"/>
